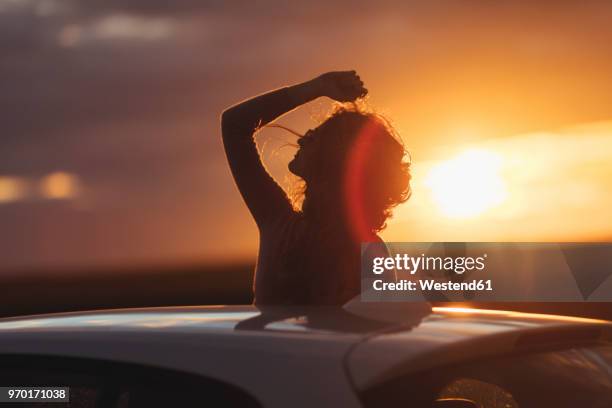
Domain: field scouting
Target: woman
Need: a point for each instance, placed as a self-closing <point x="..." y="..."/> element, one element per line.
<point x="354" y="174"/>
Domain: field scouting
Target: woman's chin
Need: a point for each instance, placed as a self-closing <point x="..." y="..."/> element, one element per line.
<point x="293" y="167"/>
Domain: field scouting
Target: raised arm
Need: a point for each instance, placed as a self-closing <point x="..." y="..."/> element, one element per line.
<point x="264" y="197"/>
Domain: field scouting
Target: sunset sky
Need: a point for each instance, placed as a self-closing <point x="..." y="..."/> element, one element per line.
<point x="111" y="151"/>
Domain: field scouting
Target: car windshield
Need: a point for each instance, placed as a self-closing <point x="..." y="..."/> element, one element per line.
<point x="569" y="378"/>
<point x="577" y="377"/>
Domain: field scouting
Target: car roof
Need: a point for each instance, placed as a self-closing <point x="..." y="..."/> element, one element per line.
<point x="373" y="346"/>
<point x="271" y="320"/>
<point x="309" y="320"/>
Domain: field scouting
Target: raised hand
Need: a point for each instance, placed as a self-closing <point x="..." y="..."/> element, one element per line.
<point x="342" y="86"/>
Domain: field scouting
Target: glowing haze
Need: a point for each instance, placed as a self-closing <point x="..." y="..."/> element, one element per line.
<point x="111" y="152"/>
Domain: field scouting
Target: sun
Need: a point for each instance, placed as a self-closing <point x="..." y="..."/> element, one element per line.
<point x="468" y="184"/>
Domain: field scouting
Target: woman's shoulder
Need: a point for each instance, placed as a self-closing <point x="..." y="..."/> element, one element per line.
<point x="375" y="246"/>
<point x="283" y="221"/>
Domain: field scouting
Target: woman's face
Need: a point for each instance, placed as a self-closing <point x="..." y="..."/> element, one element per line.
<point x="304" y="158"/>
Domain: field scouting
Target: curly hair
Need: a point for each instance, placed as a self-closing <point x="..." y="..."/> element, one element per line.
<point x="360" y="168"/>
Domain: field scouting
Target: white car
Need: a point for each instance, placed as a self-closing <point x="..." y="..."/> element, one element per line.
<point x="376" y="356"/>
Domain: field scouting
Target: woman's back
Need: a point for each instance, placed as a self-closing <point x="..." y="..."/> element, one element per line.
<point x="306" y="263"/>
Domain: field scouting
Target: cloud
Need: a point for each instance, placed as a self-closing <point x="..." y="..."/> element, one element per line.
<point x="116" y="27"/>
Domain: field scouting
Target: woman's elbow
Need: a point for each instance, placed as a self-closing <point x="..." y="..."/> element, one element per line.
<point x="227" y="121"/>
<point x="235" y="124"/>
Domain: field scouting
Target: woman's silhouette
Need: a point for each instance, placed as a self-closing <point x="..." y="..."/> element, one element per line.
<point x="354" y="172"/>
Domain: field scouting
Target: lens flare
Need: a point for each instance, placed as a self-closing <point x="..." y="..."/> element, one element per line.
<point x="11" y="189"/>
<point x="353" y="184"/>
<point x="59" y="185"/>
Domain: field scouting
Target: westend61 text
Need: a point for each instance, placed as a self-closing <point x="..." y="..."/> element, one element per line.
<point x="431" y="284"/>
